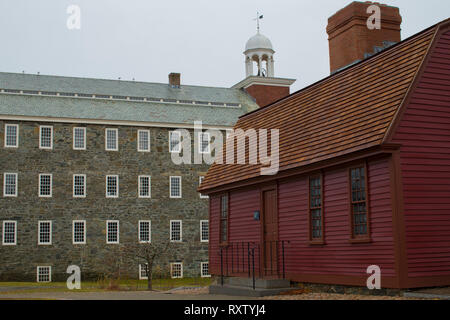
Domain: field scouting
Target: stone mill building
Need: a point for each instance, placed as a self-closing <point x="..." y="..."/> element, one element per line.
<point x="86" y="168"/>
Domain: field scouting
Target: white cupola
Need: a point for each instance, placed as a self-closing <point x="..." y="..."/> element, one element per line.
<point x="259" y="50"/>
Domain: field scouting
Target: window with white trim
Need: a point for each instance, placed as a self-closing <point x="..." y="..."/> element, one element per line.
<point x="144" y="186"/>
<point x="204" y="270"/>
<point x="10" y="184"/>
<point x="143" y="271"/>
<point x="200" y="180"/>
<point x="176" y="270"/>
<point x="9" y="233"/>
<point x="45" y="233"/>
<point x="204" y="142"/>
<point x="112" y="231"/>
<point x="145" y="227"/>
<point x="79" y="185"/>
<point x="176" y="234"/>
<point x="175" y="187"/>
<point x="44" y="274"/>
<point x="79" y="138"/>
<point x="143" y="140"/>
<point x="174" y="141"/>
<point x="46" y="137"/>
<point x="204" y="231"/>
<point x="45" y="185"/>
<point x="79" y="232"/>
<point x="11" y="136"/>
<point x="112" y="186"/>
<point x="111" y="139"/>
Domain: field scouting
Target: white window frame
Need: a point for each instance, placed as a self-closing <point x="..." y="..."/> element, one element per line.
<point x="84" y="185"/>
<point x="149" y="187"/>
<point x="117" y="185"/>
<point x="117" y="139"/>
<point x="6" y="135"/>
<point x="84" y="138"/>
<point x="181" y="270"/>
<point x="84" y="231"/>
<point x="49" y="274"/>
<point x="118" y="232"/>
<point x="15" y="233"/>
<point x="202" y="196"/>
<point x="200" y="143"/>
<point x="228" y="132"/>
<point x="51" y="185"/>
<point x="201" y="230"/>
<point x="181" y="231"/>
<point x="141" y="277"/>
<point x="50" y="235"/>
<point x="139" y="141"/>
<point x="149" y="231"/>
<point x="16" y="184"/>
<point x="178" y="150"/>
<point x="40" y="138"/>
<point x="201" y="270"/>
<point x="170" y="188"/>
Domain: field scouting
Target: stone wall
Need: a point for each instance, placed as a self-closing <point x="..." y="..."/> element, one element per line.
<point x="19" y="262"/>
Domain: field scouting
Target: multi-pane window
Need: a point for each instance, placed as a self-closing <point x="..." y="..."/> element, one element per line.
<point x="143" y="271"/>
<point x="204" y="230"/>
<point x="10" y="185"/>
<point x="79" y="232"/>
<point x="359" y="202"/>
<point x="200" y="180"/>
<point x="46" y="137"/>
<point x="224" y="218"/>
<point x="204" y="142"/>
<point x="79" y="138"/>
<point x="144" y="186"/>
<point x="175" y="187"/>
<point x="112" y="231"/>
<point x="112" y="186"/>
<point x="111" y="140"/>
<point x="143" y="141"/>
<point x="45" y="233"/>
<point x="315" y="208"/>
<point x="204" y="270"/>
<point x="9" y="233"/>
<point x="145" y="231"/>
<point x="175" y="231"/>
<point x="176" y="270"/>
<point x="44" y="274"/>
<point x="11" y="135"/>
<point x="174" y="141"/>
<point x="45" y="185"/>
<point x="79" y="185"/>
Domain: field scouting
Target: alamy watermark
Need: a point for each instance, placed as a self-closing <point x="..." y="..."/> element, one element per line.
<point x="374" y="21"/>
<point x="374" y="281"/>
<point x="74" y="19"/>
<point x="259" y="143"/>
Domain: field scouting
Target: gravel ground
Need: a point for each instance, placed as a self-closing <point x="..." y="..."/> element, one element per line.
<point x="302" y="296"/>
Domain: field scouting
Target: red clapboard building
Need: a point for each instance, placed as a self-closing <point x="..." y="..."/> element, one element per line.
<point x="364" y="168"/>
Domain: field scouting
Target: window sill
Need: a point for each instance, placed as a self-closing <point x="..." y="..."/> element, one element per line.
<point x="360" y="240"/>
<point x="316" y="242"/>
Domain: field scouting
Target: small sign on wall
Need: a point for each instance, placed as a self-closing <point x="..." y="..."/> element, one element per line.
<point x="256" y="215"/>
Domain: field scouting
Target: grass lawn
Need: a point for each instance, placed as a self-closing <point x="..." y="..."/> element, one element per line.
<point x="104" y="285"/>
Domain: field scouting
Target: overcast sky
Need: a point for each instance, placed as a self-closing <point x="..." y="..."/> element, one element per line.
<point x="204" y="40"/>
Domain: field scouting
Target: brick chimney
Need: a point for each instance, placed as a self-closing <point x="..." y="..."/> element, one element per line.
<point x="174" y="80"/>
<point x="350" y="39"/>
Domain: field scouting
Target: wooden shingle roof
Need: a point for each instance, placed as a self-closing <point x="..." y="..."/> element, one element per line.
<point x="347" y="112"/>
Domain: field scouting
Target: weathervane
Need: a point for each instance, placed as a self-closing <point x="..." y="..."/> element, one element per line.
<point x="258" y="17"/>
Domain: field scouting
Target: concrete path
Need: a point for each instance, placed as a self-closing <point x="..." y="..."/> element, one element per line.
<point x="115" y="295"/>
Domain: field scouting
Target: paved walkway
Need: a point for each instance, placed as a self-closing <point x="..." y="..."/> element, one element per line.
<point x="433" y="293"/>
<point x="115" y="295"/>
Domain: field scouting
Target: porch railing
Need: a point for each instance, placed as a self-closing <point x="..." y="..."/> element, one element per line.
<point x="253" y="259"/>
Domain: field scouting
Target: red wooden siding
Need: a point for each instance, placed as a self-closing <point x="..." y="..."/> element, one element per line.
<point x="337" y="256"/>
<point x="424" y="132"/>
